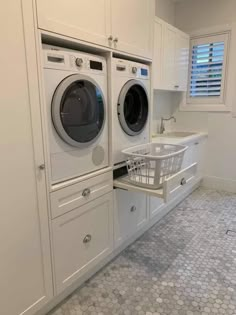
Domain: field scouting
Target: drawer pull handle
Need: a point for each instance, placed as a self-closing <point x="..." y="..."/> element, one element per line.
<point x="87" y="239"/>
<point x="86" y="192"/>
<point x="133" y="209"/>
<point x="183" y="181"/>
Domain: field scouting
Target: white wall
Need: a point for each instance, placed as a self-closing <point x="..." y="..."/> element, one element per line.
<point x="165" y="9"/>
<point x="193" y="15"/>
<point x="221" y="158"/>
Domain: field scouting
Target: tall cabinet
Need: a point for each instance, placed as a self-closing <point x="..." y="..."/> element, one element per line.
<point x="25" y="265"/>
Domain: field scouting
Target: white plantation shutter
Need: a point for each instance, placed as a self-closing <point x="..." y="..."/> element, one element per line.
<point x="207" y="69"/>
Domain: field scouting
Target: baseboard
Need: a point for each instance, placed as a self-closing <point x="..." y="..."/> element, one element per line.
<point x="217" y="183"/>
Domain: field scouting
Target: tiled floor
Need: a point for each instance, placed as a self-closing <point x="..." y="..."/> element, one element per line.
<point x="186" y="264"/>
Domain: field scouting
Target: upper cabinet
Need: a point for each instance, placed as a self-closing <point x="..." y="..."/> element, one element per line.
<point x="132" y="26"/>
<point x="82" y="19"/>
<point x="170" y="58"/>
<point x="122" y="25"/>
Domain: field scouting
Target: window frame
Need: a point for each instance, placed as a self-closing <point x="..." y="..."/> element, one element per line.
<point x="201" y="41"/>
<point x="229" y="82"/>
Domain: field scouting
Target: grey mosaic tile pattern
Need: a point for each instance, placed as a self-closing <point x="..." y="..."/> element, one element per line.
<point x="184" y="265"/>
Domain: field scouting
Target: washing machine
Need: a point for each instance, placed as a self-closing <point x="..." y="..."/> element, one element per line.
<point x="76" y="100"/>
<point x="130" y="106"/>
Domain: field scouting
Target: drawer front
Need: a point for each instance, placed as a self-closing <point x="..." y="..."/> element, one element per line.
<point x="81" y="238"/>
<point x="71" y="197"/>
<point x="174" y="185"/>
<point x="130" y="214"/>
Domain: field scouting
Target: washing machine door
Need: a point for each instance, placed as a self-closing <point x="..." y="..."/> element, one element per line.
<point x="132" y="108"/>
<point x="78" y="110"/>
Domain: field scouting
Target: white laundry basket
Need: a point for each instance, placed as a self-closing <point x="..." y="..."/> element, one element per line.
<point x="149" y="165"/>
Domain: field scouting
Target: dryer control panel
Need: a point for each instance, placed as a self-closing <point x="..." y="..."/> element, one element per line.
<point x="131" y="69"/>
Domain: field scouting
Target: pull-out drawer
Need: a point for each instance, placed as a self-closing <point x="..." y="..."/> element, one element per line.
<point x="74" y="196"/>
<point x="171" y="187"/>
<point x="81" y="238"/>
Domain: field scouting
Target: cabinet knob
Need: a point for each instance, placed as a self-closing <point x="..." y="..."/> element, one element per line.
<point x="42" y="167"/>
<point x="133" y="209"/>
<point x="86" y="192"/>
<point x="87" y="238"/>
<point x="110" y="38"/>
<point x="176" y="86"/>
<point x="183" y="181"/>
<point x="116" y="40"/>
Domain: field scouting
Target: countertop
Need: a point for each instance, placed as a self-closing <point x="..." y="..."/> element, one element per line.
<point x="179" y="140"/>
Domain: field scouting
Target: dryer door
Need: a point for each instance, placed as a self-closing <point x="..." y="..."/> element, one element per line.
<point x="132" y="108"/>
<point x="78" y="110"/>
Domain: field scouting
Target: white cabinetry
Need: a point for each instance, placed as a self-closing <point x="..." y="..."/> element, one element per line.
<point x="81" y="239"/>
<point x="130" y="214"/>
<point x="125" y="25"/>
<point x="86" y="20"/>
<point x="155" y="206"/>
<point x="195" y="154"/>
<point x="131" y="26"/>
<point x="26" y="280"/>
<point x="170" y="57"/>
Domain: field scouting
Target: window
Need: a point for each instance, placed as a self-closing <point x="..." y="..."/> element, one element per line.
<point x="207" y="71"/>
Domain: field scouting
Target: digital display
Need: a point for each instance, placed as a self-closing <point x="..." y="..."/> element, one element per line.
<point x="96" y="65"/>
<point x="144" y="72"/>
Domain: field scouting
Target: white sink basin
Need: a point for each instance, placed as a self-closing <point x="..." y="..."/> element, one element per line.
<point x="177" y="134"/>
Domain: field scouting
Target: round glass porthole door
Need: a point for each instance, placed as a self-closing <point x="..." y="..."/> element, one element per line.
<point x="132" y="107"/>
<point x="78" y="110"/>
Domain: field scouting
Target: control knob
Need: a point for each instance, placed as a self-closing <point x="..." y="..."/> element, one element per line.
<point x="134" y="70"/>
<point x="79" y="62"/>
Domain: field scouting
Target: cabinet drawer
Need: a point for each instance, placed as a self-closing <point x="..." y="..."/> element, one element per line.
<point x="81" y="238"/>
<point x="178" y="182"/>
<point x="74" y="196"/>
<point x="171" y="187"/>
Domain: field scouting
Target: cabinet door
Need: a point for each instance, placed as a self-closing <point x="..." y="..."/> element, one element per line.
<point x="130" y="214"/>
<point x="81" y="19"/>
<point x="199" y="151"/>
<point x="81" y="239"/>
<point x="181" y="61"/>
<point x="155" y="206"/>
<point x="195" y="154"/>
<point x="132" y="25"/>
<point x="157" y="64"/>
<point x="168" y="61"/>
<point x="26" y="280"/>
<point x="188" y="156"/>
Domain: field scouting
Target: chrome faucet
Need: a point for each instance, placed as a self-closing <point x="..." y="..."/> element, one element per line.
<point x="162" y="127"/>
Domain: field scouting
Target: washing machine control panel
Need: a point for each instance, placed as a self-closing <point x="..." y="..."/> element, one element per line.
<point x="57" y="58"/>
<point x="89" y="64"/>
